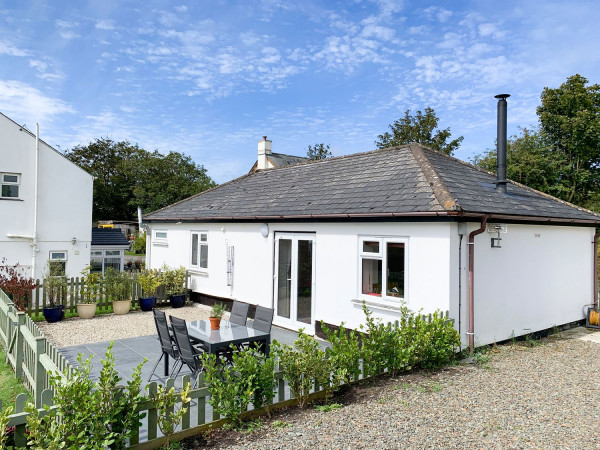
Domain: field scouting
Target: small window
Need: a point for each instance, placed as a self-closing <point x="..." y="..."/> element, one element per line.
<point x="199" y="250"/>
<point x="382" y="267"/>
<point x="10" y="185"/>
<point x="57" y="263"/>
<point x="160" y="235"/>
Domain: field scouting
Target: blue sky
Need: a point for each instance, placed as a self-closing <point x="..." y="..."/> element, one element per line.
<point x="209" y="78"/>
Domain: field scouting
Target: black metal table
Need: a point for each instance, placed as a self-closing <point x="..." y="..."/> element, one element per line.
<point x="229" y="333"/>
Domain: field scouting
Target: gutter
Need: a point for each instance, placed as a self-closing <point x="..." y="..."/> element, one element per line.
<point x="35" y="201"/>
<point x="471" y="243"/>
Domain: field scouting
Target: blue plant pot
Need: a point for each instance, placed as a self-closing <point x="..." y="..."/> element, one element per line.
<point x="177" y="301"/>
<point x="146" y="304"/>
<point x="54" y="313"/>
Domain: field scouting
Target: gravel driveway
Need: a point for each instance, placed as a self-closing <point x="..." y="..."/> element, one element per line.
<point x="516" y="396"/>
<point x="108" y="327"/>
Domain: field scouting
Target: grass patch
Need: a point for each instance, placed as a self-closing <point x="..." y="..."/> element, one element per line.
<point x="10" y="387"/>
<point x="135" y="254"/>
<point x="328" y="407"/>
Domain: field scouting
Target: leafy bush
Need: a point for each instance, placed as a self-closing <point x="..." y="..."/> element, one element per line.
<point x="118" y="284"/>
<point x="251" y="378"/>
<point x="173" y="279"/>
<point x="305" y="364"/>
<point x="149" y="281"/>
<point x="433" y="343"/>
<point x="4" y="419"/>
<point x="90" y="415"/>
<point x="139" y="244"/>
<point x="90" y="285"/>
<point x="16" y="284"/>
<point x="381" y="348"/>
<point x="345" y="353"/>
<point x="169" y="416"/>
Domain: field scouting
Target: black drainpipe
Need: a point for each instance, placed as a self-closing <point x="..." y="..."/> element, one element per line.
<point x="501" y="144"/>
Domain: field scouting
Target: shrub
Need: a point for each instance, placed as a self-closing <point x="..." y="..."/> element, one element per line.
<point x="149" y="281"/>
<point x="118" y="284"/>
<point x="16" y="284"/>
<point x="139" y="244"/>
<point x="251" y="378"/>
<point x="173" y="279"/>
<point x="304" y="365"/>
<point x="435" y="341"/>
<point x="91" y="415"/>
<point x="4" y="419"/>
<point x="345" y="353"/>
<point x="381" y="348"/>
<point x="169" y="416"/>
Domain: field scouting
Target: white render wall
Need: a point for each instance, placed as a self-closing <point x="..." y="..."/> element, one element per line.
<point x="336" y="259"/>
<point x="64" y="204"/>
<point x="541" y="277"/>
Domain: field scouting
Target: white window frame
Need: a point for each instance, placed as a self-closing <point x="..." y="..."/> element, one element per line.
<point x="10" y="183"/>
<point x="52" y="257"/>
<point x="198" y="250"/>
<point x="162" y="240"/>
<point x="381" y="255"/>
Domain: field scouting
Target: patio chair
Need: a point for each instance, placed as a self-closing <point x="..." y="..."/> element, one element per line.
<point x="239" y="313"/>
<point x="167" y="343"/>
<point x="263" y="319"/>
<point x="189" y="353"/>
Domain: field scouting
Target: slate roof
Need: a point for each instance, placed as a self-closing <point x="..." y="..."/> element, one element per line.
<point x="109" y="237"/>
<point x="410" y="180"/>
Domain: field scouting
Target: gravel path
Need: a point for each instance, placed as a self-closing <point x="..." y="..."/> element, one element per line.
<point x="109" y="327"/>
<point x="517" y="396"/>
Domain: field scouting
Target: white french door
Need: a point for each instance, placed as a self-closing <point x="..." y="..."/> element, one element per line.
<point x="294" y="280"/>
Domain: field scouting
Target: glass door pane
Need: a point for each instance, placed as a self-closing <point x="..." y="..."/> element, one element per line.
<point x="304" y="284"/>
<point x="284" y="278"/>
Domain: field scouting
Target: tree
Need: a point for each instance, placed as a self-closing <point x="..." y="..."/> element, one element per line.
<point x="530" y="160"/>
<point x="570" y="117"/>
<point x="419" y="128"/>
<point x="127" y="176"/>
<point x="319" y="151"/>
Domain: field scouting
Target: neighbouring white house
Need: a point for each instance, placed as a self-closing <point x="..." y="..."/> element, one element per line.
<point x="45" y="204"/>
<point x="404" y="224"/>
<point x="108" y="249"/>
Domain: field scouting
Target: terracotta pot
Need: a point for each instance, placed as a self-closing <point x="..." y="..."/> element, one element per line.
<point x="215" y="323"/>
<point x="86" y="310"/>
<point x="121" y="306"/>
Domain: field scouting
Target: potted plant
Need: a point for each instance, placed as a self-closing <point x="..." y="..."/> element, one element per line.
<point x="16" y="284"/>
<point x="118" y="289"/>
<point x="55" y="290"/>
<point x="216" y="314"/>
<point x="149" y="282"/>
<point x="174" y="282"/>
<point x="90" y="287"/>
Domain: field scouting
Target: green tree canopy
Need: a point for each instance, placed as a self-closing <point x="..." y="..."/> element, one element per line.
<point x="562" y="157"/>
<point x="318" y="151"/>
<point x="570" y="117"/>
<point x="127" y="176"/>
<point x="531" y="161"/>
<point x="421" y="128"/>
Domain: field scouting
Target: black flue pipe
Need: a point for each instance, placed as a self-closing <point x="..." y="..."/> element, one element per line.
<point x="501" y="144"/>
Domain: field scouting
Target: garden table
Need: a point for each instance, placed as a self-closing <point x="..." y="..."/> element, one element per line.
<point x="229" y="333"/>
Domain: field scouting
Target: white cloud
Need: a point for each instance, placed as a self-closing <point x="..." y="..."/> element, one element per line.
<point x="6" y="48"/>
<point x="105" y="25"/>
<point x="22" y="100"/>
<point x="181" y="8"/>
<point x="438" y="13"/>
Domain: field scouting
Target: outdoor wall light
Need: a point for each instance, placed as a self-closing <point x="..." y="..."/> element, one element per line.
<point x="264" y="230"/>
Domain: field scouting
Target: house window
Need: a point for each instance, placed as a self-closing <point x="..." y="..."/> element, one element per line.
<point x="100" y="260"/>
<point x="382" y="267"/>
<point x="199" y="250"/>
<point x="57" y="264"/>
<point x="160" y="235"/>
<point x="10" y="185"/>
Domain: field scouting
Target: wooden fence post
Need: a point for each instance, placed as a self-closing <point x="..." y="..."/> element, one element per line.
<point x="19" y="346"/>
<point x="39" y="375"/>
